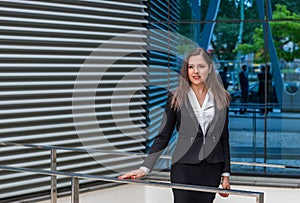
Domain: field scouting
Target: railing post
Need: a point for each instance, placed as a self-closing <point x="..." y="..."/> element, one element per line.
<point x="53" y="177"/>
<point x="260" y="198"/>
<point x="75" y="190"/>
<point x="254" y="135"/>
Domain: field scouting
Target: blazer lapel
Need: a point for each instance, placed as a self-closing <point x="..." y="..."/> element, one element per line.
<point x="192" y="114"/>
<point x="217" y="122"/>
<point x="214" y="133"/>
<point x="214" y="121"/>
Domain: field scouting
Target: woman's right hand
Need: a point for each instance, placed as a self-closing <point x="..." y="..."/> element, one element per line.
<point x="139" y="173"/>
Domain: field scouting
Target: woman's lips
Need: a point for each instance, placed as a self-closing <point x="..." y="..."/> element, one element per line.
<point x="196" y="77"/>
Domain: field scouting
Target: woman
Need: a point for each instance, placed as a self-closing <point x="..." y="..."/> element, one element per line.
<point x="198" y="110"/>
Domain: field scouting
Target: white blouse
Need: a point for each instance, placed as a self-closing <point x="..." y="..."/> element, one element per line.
<point x="204" y="113"/>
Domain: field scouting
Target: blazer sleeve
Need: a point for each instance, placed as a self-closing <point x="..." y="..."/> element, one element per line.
<point x="225" y="146"/>
<point x="163" y="137"/>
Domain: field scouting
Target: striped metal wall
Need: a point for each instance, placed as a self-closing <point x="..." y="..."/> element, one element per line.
<point x="163" y="65"/>
<point x="63" y="68"/>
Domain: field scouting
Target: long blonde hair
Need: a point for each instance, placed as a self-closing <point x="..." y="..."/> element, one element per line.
<point x="213" y="82"/>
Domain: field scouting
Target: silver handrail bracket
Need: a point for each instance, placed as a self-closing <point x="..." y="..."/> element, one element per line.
<point x="53" y="165"/>
<point x="75" y="190"/>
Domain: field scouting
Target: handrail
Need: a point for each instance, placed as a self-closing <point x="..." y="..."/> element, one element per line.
<point x="136" y="154"/>
<point x="259" y="196"/>
<point x="73" y="149"/>
<point x="75" y="191"/>
<point x="256" y="110"/>
<point x="265" y="165"/>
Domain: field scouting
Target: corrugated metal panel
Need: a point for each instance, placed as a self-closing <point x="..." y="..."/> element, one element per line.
<point x="45" y="46"/>
<point x="163" y="68"/>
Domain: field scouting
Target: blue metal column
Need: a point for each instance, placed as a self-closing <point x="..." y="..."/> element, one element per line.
<point x="271" y="47"/>
<point x="209" y="26"/>
<point x="195" y="6"/>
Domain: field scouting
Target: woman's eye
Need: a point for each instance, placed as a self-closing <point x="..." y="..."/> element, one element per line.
<point x="190" y="67"/>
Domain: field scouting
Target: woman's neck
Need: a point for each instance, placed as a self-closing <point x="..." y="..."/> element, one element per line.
<point x="199" y="89"/>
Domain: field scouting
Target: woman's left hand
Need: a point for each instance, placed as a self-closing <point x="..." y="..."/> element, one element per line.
<point x="225" y="185"/>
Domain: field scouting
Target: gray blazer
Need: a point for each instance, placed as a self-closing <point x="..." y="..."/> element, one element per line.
<point x="192" y="145"/>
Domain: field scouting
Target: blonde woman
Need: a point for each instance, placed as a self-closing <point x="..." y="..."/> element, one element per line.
<point x="198" y="111"/>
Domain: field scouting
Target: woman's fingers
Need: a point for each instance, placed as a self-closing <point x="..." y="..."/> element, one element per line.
<point x="133" y="174"/>
<point x="125" y="176"/>
<point x="226" y="186"/>
<point x="139" y="175"/>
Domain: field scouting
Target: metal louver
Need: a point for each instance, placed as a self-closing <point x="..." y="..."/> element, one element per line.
<point x="45" y="47"/>
<point x="162" y="62"/>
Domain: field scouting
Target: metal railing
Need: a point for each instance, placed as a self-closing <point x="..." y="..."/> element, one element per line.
<point x="259" y="196"/>
<point x="260" y="121"/>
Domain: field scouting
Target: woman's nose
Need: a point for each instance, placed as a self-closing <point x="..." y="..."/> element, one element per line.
<point x="196" y="70"/>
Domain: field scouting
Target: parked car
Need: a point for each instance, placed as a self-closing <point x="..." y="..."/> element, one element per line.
<point x="291" y="87"/>
<point x="253" y="94"/>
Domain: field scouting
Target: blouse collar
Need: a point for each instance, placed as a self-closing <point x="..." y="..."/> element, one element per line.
<point x="208" y="101"/>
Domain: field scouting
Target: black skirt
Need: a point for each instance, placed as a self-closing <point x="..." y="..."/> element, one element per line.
<point x="203" y="174"/>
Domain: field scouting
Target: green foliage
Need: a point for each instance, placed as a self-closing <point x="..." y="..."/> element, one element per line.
<point x="285" y="29"/>
<point x="291" y="5"/>
<point x="226" y="32"/>
<point x="286" y="33"/>
<point x="245" y="48"/>
<point x="225" y="38"/>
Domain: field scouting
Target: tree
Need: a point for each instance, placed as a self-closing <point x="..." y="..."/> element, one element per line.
<point x="285" y="29"/>
<point x="291" y="5"/>
<point x="226" y="32"/>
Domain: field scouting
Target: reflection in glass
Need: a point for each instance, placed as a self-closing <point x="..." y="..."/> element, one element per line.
<point x="267" y="131"/>
<point x="233" y="48"/>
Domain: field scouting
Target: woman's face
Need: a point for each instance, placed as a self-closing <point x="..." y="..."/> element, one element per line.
<point x="198" y="70"/>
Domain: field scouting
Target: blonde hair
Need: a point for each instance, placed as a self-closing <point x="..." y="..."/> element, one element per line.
<point x="213" y="82"/>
